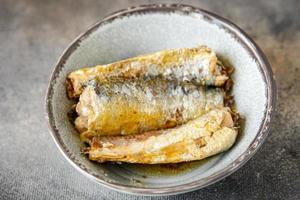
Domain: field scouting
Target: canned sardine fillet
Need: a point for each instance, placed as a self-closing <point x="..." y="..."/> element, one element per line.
<point x="185" y="64"/>
<point x="126" y="107"/>
<point x="202" y="137"/>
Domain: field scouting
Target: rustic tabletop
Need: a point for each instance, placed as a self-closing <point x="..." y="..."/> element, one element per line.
<point x="34" y="33"/>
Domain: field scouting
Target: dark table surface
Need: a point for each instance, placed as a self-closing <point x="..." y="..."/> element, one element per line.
<point x="34" y="33"/>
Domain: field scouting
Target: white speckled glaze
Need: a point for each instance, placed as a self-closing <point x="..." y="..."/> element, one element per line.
<point x="151" y="28"/>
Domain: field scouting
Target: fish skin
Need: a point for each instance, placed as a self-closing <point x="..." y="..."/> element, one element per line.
<point x="185" y="64"/>
<point x="202" y="137"/>
<point x="125" y="107"/>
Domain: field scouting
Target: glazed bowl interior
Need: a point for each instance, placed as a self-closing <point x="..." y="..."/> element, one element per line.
<point x="148" y="29"/>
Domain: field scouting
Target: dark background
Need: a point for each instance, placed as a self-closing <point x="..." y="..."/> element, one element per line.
<point x="33" y="34"/>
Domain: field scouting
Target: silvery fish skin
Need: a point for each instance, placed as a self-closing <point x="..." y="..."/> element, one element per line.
<point x="125" y="107"/>
<point x="202" y="137"/>
<point x="186" y="64"/>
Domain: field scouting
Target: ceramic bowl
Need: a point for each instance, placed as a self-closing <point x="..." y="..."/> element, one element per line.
<point x="150" y="28"/>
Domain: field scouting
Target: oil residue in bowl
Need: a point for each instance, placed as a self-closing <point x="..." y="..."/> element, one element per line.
<point x="164" y="169"/>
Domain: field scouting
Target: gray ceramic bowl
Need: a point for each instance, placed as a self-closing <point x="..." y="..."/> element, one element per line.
<point x="151" y="28"/>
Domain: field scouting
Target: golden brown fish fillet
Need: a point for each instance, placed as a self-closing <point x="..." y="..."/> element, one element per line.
<point x="205" y="136"/>
<point x="124" y="107"/>
<point x="186" y="64"/>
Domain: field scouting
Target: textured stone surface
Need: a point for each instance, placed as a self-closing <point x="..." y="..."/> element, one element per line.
<point x="34" y="33"/>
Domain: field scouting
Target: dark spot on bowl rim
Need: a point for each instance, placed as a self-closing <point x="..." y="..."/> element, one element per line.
<point x="229" y="27"/>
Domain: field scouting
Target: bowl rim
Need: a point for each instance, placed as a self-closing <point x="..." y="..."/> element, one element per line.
<point x="235" y="31"/>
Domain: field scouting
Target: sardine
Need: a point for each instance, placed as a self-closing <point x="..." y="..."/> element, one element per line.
<point x="125" y="107"/>
<point x="186" y="64"/>
<point x="202" y="137"/>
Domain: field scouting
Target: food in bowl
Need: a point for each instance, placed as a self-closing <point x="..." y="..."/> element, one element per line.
<point x="126" y="107"/>
<point x="186" y="64"/>
<point x="204" y="136"/>
<point x="167" y="107"/>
